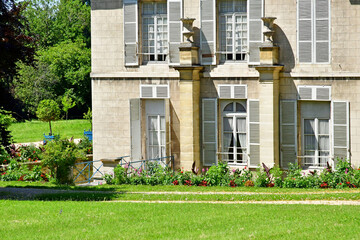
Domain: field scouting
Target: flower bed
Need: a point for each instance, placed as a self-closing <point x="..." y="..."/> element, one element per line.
<point x="344" y="176"/>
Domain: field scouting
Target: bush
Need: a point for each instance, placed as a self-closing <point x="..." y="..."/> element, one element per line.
<point x="85" y="146"/>
<point x="60" y="156"/>
<point x="218" y="175"/>
<point x="120" y="175"/>
<point x="17" y="172"/>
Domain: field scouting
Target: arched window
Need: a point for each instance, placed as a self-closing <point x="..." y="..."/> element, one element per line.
<point x="234" y="137"/>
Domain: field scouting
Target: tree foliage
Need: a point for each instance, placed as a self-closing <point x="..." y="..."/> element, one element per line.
<point x="5" y="120"/>
<point x="67" y="102"/>
<point x="48" y="110"/>
<point x="14" y="43"/>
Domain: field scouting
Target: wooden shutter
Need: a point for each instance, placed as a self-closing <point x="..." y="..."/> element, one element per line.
<point x="255" y="30"/>
<point x="340" y="120"/>
<point x="168" y="126"/>
<point x="254" y="133"/>
<point x="131" y="32"/>
<point x="322" y="31"/>
<point x="305" y="31"/>
<point x="288" y="146"/>
<point x="228" y="91"/>
<point x="209" y="131"/>
<point x="135" y="128"/>
<point x="174" y="28"/>
<point x="208" y="32"/>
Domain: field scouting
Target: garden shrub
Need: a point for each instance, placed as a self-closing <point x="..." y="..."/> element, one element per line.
<point x="60" y="156"/>
<point x="218" y="175"/>
<point x="17" y="172"/>
<point x="120" y="175"/>
<point x="85" y="146"/>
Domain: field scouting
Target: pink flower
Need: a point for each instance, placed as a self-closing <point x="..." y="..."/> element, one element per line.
<point x="203" y="170"/>
<point x="234" y="170"/>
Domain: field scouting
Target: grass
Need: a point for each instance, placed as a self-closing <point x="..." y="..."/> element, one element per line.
<point x="112" y="220"/>
<point x="32" y="131"/>
<point x="170" y="188"/>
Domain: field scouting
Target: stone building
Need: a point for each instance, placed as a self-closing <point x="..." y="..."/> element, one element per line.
<point x="243" y="81"/>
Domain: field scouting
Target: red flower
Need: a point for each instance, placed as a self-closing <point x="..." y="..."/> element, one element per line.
<point x="176" y="182"/>
<point x="245" y="167"/>
<point x="182" y="172"/>
<point x="3" y="173"/>
<point x="347" y="183"/>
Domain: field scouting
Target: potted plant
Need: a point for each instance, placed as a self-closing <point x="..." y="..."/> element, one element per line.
<point x="47" y="111"/>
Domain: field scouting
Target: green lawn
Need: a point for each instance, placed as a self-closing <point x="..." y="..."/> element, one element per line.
<point x="33" y="131"/>
<point x="113" y="220"/>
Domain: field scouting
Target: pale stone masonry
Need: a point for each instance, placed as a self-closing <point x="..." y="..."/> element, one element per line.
<point x="229" y="94"/>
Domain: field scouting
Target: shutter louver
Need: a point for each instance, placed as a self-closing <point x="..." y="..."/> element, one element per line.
<point x="209" y="131"/>
<point x="154" y="91"/>
<point x="254" y="133"/>
<point x="208" y="32"/>
<point x="305" y="31"/>
<point x="305" y="93"/>
<point x="174" y="16"/>
<point x="146" y="91"/>
<point x="162" y="91"/>
<point x="288" y="146"/>
<point x="168" y="126"/>
<point x="130" y="32"/>
<point x="228" y="91"/>
<point x="320" y="93"/>
<point x="255" y="30"/>
<point x="135" y="128"/>
<point x="340" y="116"/>
<point x="322" y="30"/>
<point x="225" y="91"/>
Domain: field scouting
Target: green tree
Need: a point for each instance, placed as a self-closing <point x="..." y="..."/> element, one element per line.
<point x="54" y="21"/>
<point x="88" y="116"/>
<point x="48" y="110"/>
<point x="67" y="102"/>
<point x="34" y="84"/>
<point x="5" y="120"/>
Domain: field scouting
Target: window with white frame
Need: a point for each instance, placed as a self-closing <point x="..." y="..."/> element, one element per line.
<point x="315" y="133"/>
<point x="233" y="30"/>
<point x="234" y="137"/>
<point x="154" y="31"/>
<point x="156" y="133"/>
<point x="316" y="142"/>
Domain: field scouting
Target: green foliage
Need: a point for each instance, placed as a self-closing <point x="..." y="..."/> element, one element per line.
<point x="67" y="102"/>
<point x="120" y="175"/>
<point x="277" y="176"/>
<point x="35" y="83"/>
<point x="51" y="22"/>
<point x="59" y="156"/>
<point x="218" y="175"/>
<point x="85" y="146"/>
<point x="47" y="111"/>
<point x="261" y="178"/>
<point x="88" y="116"/>
<point x="5" y="120"/>
<point x="17" y="172"/>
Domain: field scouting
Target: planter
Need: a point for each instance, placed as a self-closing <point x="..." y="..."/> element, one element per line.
<point x="88" y="135"/>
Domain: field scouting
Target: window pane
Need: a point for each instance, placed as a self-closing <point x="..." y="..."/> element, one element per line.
<point x="228" y="124"/>
<point x="309" y="127"/>
<point x="240" y="108"/>
<point x="324" y="143"/>
<point x="323" y="126"/>
<point x="229" y="108"/>
<point x="309" y="142"/>
<point x="241" y="125"/>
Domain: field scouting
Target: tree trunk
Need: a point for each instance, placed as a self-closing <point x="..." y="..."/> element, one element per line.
<point x="50" y="128"/>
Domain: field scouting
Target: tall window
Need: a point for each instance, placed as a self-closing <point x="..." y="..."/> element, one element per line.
<point x="234" y="133"/>
<point x="233" y="30"/>
<point x="156" y="133"/>
<point x="316" y="142"/>
<point x="154" y="31"/>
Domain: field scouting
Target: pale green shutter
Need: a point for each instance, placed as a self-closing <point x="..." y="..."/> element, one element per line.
<point x="340" y="119"/>
<point x="135" y="128"/>
<point x="255" y="30"/>
<point x="322" y="31"/>
<point x="288" y="146"/>
<point x="254" y="133"/>
<point x="131" y="32"/>
<point x="208" y="32"/>
<point x="305" y="31"/>
<point x="209" y="131"/>
<point x="174" y="23"/>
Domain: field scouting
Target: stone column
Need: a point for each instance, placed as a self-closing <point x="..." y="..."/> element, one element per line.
<point x="269" y="97"/>
<point x="189" y="99"/>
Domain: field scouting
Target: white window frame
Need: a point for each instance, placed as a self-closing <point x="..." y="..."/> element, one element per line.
<point x="156" y="54"/>
<point x="316" y="157"/>
<point x="234" y="53"/>
<point x="158" y="131"/>
<point x="235" y="115"/>
<point x="313" y="33"/>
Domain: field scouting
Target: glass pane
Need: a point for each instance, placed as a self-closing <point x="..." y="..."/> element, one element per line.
<point x="309" y="142"/>
<point x="241" y="125"/>
<point x="163" y="138"/>
<point x="309" y="127"/>
<point x="240" y="108"/>
<point x="324" y="143"/>
<point x="229" y="108"/>
<point x="155" y="138"/>
<point x="227" y="141"/>
<point x="162" y="123"/>
<point x="228" y="124"/>
<point x="152" y="123"/>
<point x="323" y="126"/>
<point x="242" y="140"/>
